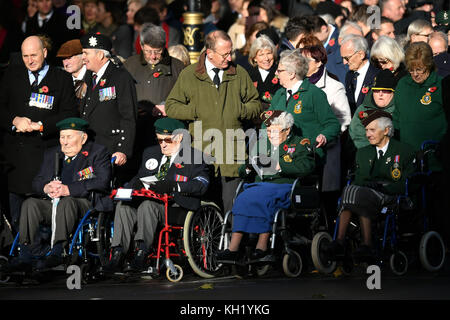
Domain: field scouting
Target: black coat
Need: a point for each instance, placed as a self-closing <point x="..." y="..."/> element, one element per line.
<point x="113" y="121"/>
<point x="367" y="83"/>
<point x="196" y="176"/>
<point x="82" y="185"/>
<point x="24" y="151"/>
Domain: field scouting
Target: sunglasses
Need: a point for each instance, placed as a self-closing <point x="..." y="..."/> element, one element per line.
<point x="166" y="140"/>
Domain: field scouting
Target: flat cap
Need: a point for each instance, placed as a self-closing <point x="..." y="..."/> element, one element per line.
<point x="96" y="41"/>
<point x="73" y="123"/>
<point x="168" y="125"/>
<point x="367" y="116"/>
<point x="69" y="49"/>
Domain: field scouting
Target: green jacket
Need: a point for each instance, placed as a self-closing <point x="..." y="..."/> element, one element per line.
<point x="312" y="113"/>
<point x="295" y="158"/>
<point x="356" y="129"/>
<point x="195" y="99"/>
<point x="391" y="170"/>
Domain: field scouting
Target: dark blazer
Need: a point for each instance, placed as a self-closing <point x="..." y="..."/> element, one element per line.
<point x="366" y="86"/>
<point x="24" y="151"/>
<point x="193" y="177"/>
<point x="335" y="65"/>
<point x="82" y="185"/>
<point x="113" y="121"/>
<point x="267" y="88"/>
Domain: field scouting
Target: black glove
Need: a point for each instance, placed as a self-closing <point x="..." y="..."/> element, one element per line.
<point x="263" y="161"/>
<point x="164" y="186"/>
<point x="377" y="186"/>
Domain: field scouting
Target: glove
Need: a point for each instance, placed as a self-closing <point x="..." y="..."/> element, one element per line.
<point x="377" y="186"/>
<point x="163" y="186"/>
<point x="263" y="161"/>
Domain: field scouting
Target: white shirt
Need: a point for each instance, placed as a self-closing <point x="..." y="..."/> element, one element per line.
<point x="384" y="149"/>
<point x="80" y="75"/>
<point x="101" y="72"/>
<point x="294" y="89"/>
<point x="41" y="19"/>
<point x="209" y="69"/>
<point x="263" y="73"/>
<point x="331" y="27"/>
<point x="360" y="79"/>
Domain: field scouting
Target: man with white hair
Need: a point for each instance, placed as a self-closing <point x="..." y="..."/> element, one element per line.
<point x="438" y="42"/>
<point x="359" y="79"/>
<point x="110" y="103"/>
<point x="381" y="171"/>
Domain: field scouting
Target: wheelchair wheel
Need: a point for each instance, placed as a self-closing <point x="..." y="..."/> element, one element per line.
<point x="104" y="236"/>
<point x="398" y="263"/>
<point x="201" y="237"/>
<point x="292" y="264"/>
<point x="3" y="261"/>
<point x="432" y="251"/>
<point x="174" y="277"/>
<point x="322" y="263"/>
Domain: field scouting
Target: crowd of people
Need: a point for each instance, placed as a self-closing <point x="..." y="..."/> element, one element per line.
<point x="334" y="86"/>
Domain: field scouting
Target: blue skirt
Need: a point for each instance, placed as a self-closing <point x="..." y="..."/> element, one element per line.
<point x="255" y="207"/>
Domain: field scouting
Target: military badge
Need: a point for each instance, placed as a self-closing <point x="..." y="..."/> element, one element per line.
<point x="305" y="141"/>
<point x="87" y="173"/>
<point x="396" y="174"/>
<point x="298" y="107"/>
<point x="107" y="94"/>
<point x="426" y="99"/>
<point x="287" y="158"/>
<point x="181" y="178"/>
<point x="92" y="41"/>
<point x="151" y="164"/>
<point x="41" y="101"/>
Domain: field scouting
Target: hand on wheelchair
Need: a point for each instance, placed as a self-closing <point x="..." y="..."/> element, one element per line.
<point x="163" y="186"/>
<point x="263" y="161"/>
<point x="376" y="185"/>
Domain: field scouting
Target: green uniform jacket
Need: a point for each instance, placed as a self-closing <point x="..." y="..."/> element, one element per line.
<point x="312" y="112"/>
<point x="195" y="99"/>
<point x="418" y="113"/>
<point x="391" y="170"/>
<point x="295" y="158"/>
<point x="356" y="129"/>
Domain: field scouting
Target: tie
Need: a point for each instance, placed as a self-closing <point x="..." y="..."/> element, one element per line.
<point x="163" y="170"/>
<point x="94" y="81"/>
<point x="68" y="160"/>
<point x="35" y="83"/>
<point x="216" y="79"/>
<point x="353" y="82"/>
<point x="380" y="154"/>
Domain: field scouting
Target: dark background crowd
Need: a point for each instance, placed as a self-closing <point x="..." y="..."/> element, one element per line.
<point x="339" y="41"/>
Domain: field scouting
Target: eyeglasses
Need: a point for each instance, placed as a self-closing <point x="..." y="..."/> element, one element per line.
<point x="280" y="70"/>
<point x="418" y="71"/>
<point x="275" y="131"/>
<point x="224" y="55"/>
<point x="423" y="35"/>
<point x="166" y="140"/>
<point x="349" y="57"/>
<point x="153" y="52"/>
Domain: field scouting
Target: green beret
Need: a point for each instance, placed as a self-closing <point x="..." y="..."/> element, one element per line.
<point x="73" y="123"/>
<point x="442" y="17"/>
<point x="168" y="125"/>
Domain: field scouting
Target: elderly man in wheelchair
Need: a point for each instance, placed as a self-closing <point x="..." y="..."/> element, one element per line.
<point x="64" y="186"/>
<point x="172" y="168"/>
<point x="381" y="172"/>
<point x="285" y="158"/>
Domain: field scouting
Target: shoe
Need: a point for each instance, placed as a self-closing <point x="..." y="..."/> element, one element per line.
<point x="50" y="262"/>
<point x="16" y="265"/>
<point x="227" y="256"/>
<point x="258" y="254"/>
<point x="363" y="253"/>
<point x="139" y="261"/>
<point x="115" y="261"/>
<point x="335" y="249"/>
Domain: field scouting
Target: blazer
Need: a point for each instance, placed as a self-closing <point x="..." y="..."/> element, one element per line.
<point x="366" y="86"/>
<point x="24" y="151"/>
<point x="111" y="109"/>
<point x="188" y="169"/>
<point x="91" y="174"/>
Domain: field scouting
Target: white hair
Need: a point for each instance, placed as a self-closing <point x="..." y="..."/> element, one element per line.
<point x="388" y="48"/>
<point x="285" y="120"/>
<point x="359" y="43"/>
<point x="385" y="122"/>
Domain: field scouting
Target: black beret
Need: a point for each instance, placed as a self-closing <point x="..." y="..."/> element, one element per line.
<point x="269" y="116"/>
<point x="367" y="116"/>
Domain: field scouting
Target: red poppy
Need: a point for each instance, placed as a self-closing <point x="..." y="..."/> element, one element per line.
<point x="285" y="148"/>
<point x="331" y="42"/>
<point x="156" y="74"/>
<point x="365" y="90"/>
<point x="269" y="113"/>
<point x="267" y="94"/>
<point x="44" y="89"/>
<point x="432" y="89"/>
<point x="102" y="82"/>
<point x="275" y="80"/>
<point x="178" y="165"/>
<point x="255" y="84"/>
<point x="295" y="96"/>
<point x="361" y="114"/>
<point x="85" y="153"/>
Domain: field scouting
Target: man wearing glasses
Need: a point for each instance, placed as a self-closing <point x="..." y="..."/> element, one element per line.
<point x="169" y="168"/>
<point x="216" y="94"/>
<point x="359" y="79"/>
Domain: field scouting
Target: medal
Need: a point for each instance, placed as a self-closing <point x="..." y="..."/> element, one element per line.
<point x="287" y="158"/>
<point x="396" y="174"/>
<point x="426" y="99"/>
<point x="298" y="107"/>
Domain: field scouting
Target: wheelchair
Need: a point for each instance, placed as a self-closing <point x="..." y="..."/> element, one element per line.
<point x="186" y="238"/>
<point x="292" y="231"/>
<point x="402" y="232"/>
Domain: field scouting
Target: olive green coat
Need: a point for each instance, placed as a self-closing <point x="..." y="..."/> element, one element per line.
<point x="195" y="99"/>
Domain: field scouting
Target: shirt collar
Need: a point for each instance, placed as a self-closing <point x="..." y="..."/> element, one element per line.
<point x="296" y="86"/>
<point x="102" y="70"/>
<point x="48" y="16"/>
<point x="81" y="74"/>
<point x="363" y="69"/>
<point x="384" y="149"/>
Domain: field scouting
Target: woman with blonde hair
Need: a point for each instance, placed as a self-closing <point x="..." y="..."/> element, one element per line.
<point x="386" y="53"/>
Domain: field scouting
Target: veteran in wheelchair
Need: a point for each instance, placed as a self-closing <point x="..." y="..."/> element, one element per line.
<point x="70" y="175"/>
<point x="164" y="170"/>
<point x="285" y="158"/>
<point x="382" y="169"/>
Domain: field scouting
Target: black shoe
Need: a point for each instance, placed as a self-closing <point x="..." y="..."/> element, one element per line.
<point x="51" y="261"/>
<point x="363" y="254"/>
<point x="115" y="262"/>
<point x="139" y="262"/>
<point x="227" y="256"/>
<point x="17" y="265"/>
<point x="258" y="254"/>
<point x="335" y="249"/>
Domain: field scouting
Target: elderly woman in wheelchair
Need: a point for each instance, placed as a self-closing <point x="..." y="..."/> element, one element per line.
<point x="278" y="163"/>
<point x="381" y="172"/>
